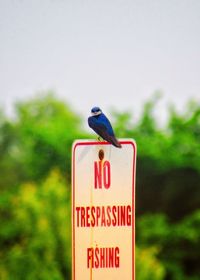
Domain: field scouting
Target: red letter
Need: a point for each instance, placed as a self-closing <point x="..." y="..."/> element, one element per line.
<point x="106" y="174"/>
<point x="87" y="216"/>
<point x="128" y="215"/>
<point x="97" y="174"/>
<point x="98" y="214"/>
<point x="77" y="217"/>
<point x="117" y="257"/>
<point x="82" y="216"/>
<point x="90" y="258"/>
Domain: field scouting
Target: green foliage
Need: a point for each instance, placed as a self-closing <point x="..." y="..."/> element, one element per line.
<point x="39" y="139"/>
<point x="177" y="243"/>
<point x="35" y="240"/>
<point x="47" y="128"/>
<point x="35" y="163"/>
<point x="168" y="165"/>
<point x="9" y="154"/>
<point x="148" y="267"/>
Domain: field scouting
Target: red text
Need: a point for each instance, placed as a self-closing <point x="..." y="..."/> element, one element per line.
<point x="102" y="174"/>
<point x="103" y="216"/>
<point x="103" y="257"/>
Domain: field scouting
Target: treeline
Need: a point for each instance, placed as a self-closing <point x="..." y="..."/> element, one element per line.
<point x="35" y="164"/>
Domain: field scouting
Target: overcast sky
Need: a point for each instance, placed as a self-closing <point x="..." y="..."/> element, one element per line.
<point x="111" y="53"/>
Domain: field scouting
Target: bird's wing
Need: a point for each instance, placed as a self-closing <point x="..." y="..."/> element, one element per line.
<point x="97" y="126"/>
<point x="94" y="123"/>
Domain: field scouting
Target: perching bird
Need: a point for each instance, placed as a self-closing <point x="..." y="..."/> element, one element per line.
<point x="101" y="125"/>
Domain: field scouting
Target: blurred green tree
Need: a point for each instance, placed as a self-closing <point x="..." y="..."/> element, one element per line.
<point x="38" y="139"/>
<point x="168" y="164"/>
<point x="35" y="162"/>
<point x="46" y="129"/>
<point x="177" y="243"/>
<point x="148" y="267"/>
<point x="36" y="239"/>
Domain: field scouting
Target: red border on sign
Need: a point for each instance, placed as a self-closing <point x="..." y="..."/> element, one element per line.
<point x="89" y="143"/>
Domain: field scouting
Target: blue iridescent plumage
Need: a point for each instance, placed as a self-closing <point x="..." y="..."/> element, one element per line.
<point x="102" y="126"/>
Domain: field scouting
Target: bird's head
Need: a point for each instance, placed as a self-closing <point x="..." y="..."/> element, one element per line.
<point x="96" y="111"/>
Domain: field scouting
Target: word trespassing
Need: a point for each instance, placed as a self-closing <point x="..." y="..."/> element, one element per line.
<point x="103" y="216"/>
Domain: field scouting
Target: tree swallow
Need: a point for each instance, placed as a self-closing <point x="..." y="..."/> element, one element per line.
<point x="102" y="126"/>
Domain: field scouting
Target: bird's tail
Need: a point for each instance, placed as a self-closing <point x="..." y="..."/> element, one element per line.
<point x="115" y="142"/>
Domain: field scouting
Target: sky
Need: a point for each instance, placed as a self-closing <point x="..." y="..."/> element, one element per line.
<point x="110" y="53"/>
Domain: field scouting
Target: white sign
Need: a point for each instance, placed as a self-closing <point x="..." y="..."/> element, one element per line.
<point x="103" y="210"/>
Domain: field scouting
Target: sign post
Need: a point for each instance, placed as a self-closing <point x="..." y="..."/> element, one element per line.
<point x="103" y="210"/>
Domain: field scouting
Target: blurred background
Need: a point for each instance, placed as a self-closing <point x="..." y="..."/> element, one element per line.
<point x="140" y="62"/>
<point x="35" y="164"/>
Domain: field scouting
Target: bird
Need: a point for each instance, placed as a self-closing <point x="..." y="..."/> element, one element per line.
<point x="102" y="126"/>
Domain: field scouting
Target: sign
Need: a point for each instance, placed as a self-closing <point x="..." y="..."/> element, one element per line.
<point x="103" y="210"/>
